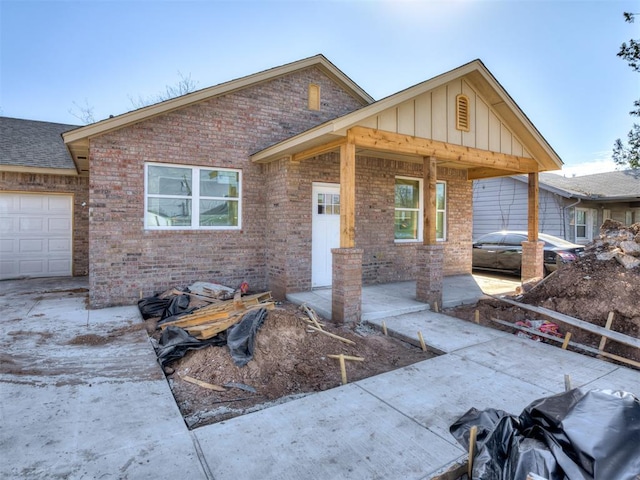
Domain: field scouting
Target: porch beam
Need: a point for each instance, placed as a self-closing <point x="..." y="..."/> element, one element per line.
<point x="399" y="143"/>
<point x="532" y="214"/>
<point x="480" y="172"/>
<point x="319" y="150"/>
<point x="348" y="193"/>
<point x="429" y="212"/>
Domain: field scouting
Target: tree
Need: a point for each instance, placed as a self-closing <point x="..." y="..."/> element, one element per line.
<point x="185" y="85"/>
<point x="629" y="155"/>
<point x="84" y="113"/>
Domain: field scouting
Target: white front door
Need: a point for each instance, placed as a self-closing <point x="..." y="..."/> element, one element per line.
<point x="35" y="235"/>
<point x="325" y="233"/>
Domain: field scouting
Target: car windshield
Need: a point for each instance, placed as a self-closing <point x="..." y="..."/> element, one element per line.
<point x="558" y="242"/>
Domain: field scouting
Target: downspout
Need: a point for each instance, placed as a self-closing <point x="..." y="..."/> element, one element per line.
<point x="564" y="224"/>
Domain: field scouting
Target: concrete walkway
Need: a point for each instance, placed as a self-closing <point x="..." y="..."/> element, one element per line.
<point x="81" y="396"/>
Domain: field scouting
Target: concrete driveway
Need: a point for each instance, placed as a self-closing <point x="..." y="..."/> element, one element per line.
<point x="82" y="397"/>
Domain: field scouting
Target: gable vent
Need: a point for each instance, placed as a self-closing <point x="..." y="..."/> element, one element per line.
<point x="314" y="97"/>
<point x="462" y="113"/>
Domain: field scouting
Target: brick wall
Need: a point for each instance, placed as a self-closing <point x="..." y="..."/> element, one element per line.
<point x="127" y="260"/>
<point x="74" y="185"/>
<point x="383" y="259"/>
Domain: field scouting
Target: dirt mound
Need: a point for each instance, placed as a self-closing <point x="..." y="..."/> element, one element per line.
<point x="605" y="279"/>
<point x="289" y="360"/>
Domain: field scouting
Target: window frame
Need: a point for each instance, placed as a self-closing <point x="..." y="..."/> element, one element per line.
<point x="587" y="224"/>
<point x="420" y="211"/>
<point x="443" y="210"/>
<point x="195" y="198"/>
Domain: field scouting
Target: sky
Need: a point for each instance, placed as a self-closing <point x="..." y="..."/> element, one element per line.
<point x="556" y="58"/>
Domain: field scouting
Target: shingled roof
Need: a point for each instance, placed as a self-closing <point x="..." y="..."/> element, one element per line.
<point x="624" y="184"/>
<point x="30" y="144"/>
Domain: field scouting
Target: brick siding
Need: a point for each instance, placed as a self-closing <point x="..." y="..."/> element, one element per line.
<point x="289" y="255"/>
<point x="128" y="261"/>
<point x="74" y="185"/>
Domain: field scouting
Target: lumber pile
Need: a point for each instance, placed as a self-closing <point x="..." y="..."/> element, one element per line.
<point x="207" y="321"/>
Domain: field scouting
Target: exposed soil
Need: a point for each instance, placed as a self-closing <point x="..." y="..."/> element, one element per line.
<point x="589" y="289"/>
<point x="289" y="360"/>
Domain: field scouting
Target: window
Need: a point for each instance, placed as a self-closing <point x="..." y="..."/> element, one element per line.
<point x="462" y="113"/>
<point x="409" y="209"/>
<point x="441" y="211"/>
<point x="584" y="224"/>
<point x="328" y="204"/>
<point x="183" y="198"/>
<point x="628" y="217"/>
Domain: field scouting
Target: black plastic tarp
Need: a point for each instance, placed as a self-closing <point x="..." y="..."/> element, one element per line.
<point x="577" y="435"/>
<point x="163" y="307"/>
<point x="175" y="342"/>
<point x="241" y="336"/>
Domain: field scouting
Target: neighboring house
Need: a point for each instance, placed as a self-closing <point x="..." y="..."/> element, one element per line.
<point x="572" y="208"/>
<point x="294" y="178"/>
<point x="44" y="222"/>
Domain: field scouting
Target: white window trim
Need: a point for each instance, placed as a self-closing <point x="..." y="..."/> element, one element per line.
<point x="420" y="210"/>
<point x="444" y="211"/>
<point x="587" y="225"/>
<point x="195" y="197"/>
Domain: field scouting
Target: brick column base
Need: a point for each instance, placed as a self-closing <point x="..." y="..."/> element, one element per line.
<point x="429" y="274"/>
<point x="346" y="293"/>
<point x="532" y="261"/>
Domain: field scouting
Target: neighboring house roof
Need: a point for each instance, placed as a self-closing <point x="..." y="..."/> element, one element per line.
<point x="610" y="186"/>
<point x="474" y="73"/>
<point x="78" y="140"/>
<point x="34" y="146"/>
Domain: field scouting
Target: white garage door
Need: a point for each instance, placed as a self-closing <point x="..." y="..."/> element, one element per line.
<point x="35" y="235"/>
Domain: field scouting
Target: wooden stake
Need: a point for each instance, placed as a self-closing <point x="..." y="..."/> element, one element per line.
<point x="337" y="337"/>
<point x="472" y="447"/>
<point x="384" y="328"/>
<point x="567" y="337"/>
<point x="435" y="307"/>
<point x="603" y="340"/>
<point x="422" y="344"/>
<point x="476" y="316"/>
<point x="343" y="369"/>
<point x="347" y="357"/>
<point x="200" y="383"/>
<point x="567" y="383"/>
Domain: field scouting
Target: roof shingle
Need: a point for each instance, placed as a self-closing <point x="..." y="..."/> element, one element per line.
<point x="31" y="143"/>
<point x="609" y="185"/>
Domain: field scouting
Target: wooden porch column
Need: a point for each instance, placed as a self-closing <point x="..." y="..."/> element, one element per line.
<point x="532" y="249"/>
<point x="430" y="255"/>
<point x="348" y="194"/>
<point x="346" y="289"/>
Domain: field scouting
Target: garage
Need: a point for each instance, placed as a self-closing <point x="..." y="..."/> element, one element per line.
<point x="36" y="232"/>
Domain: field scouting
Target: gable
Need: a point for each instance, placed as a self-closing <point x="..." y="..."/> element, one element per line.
<point x="78" y="140"/>
<point x="427" y="112"/>
<point x="432" y="115"/>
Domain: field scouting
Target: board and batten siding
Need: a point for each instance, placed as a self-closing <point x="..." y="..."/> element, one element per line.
<point x="433" y="115"/>
<point x="501" y="204"/>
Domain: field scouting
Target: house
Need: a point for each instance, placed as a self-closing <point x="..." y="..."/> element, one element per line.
<point x="44" y="217"/>
<point x="294" y="178"/>
<point x="571" y="208"/>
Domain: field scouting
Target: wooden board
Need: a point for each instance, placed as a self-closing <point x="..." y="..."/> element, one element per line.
<point x="576" y="322"/>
